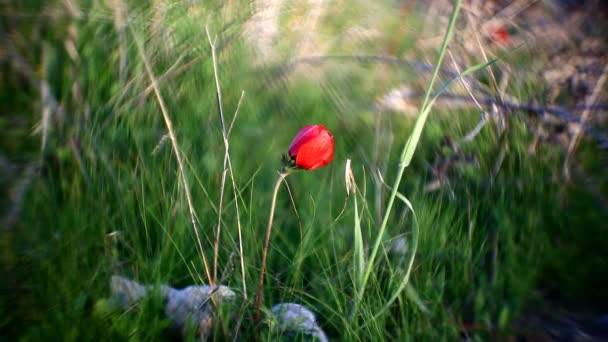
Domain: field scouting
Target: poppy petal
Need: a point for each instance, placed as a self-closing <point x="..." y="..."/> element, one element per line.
<point x="317" y="152"/>
<point x="304" y="135"/>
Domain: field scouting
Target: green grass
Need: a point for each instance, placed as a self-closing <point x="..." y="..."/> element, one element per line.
<point x="108" y="197"/>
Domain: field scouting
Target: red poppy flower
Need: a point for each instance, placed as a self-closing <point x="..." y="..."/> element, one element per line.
<point x="500" y="36"/>
<point x="312" y="148"/>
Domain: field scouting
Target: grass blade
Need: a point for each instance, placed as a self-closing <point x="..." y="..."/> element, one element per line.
<point x="410" y="146"/>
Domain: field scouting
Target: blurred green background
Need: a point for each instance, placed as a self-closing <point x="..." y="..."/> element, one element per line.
<point x="511" y="200"/>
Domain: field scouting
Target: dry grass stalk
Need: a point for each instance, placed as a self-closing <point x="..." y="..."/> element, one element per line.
<point x="228" y="164"/>
<point x="178" y="156"/>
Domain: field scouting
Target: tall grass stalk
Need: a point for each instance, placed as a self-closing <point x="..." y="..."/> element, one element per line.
<point x="407" y="154"/>
<point x="260" y="292"/>
<point x="227" y="168"/>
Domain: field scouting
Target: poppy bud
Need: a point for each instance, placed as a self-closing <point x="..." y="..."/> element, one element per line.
<point x="312" y="148"/>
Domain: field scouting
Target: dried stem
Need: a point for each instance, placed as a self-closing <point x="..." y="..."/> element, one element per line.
<point x="119" y="25"/>
<point x="178" y="156"/>
<point x="225" y="135"/>
<point x="218" y="229"/>
<point x="258" y="300"/>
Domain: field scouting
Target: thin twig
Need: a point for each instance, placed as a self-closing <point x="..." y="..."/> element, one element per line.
<point x="178" y="155"/>
<point x="473" y="133"/>
<point x="464" y="82"/>
<point x="584" y="118"/>
<point x="484" y="117"/>
<point x="561" y="112"/>
<point x="236" y="112"/>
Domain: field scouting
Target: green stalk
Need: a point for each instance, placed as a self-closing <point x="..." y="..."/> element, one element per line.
<point x="358" y="260"/>
<point x="409" y="149"/>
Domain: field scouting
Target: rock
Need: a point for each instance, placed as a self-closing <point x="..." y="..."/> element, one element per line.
<point x="401" y="100"/>
<point x="398" y="250"/>
<point x="193" y="305"/>
<point x="126" y="292"/>
<point x="294" y="318"/>
<point x="399" y="246"/>
<point x="190" y="306"/>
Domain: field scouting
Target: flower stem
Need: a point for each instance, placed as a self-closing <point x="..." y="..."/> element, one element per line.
<point x="258" y="301"/>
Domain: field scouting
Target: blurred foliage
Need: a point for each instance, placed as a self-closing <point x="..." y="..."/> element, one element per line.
<point x="502" y="233"/>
